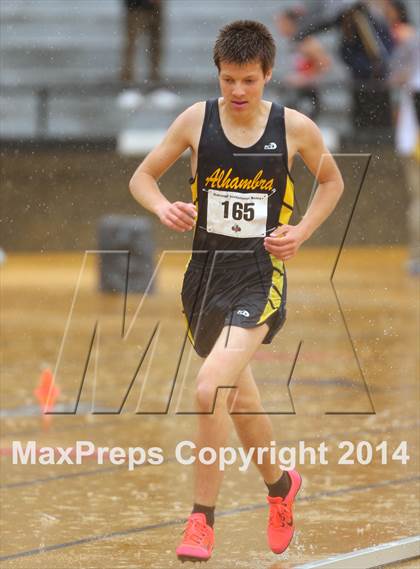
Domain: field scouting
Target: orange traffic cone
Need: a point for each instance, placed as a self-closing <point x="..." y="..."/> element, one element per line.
<point x="47" y="394"/>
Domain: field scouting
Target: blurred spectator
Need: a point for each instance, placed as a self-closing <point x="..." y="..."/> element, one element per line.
<point x="405" y="77"/>
<point x="366" y="45"/>
<point x="142" y="17"/>
<point x="365" y="48"/>
<point x="396" y="14"/>
<point x="310" y="62"/>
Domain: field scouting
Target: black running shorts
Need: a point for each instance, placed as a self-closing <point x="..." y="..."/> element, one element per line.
<point x="216" y="294"/>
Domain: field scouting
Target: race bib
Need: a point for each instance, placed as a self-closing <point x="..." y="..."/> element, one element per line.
<point x="236" y="214"/>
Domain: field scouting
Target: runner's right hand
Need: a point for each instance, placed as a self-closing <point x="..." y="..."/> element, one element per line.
<point x="179" y="216"/>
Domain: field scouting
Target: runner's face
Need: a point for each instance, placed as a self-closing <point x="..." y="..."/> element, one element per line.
<point x="242" y="86"/>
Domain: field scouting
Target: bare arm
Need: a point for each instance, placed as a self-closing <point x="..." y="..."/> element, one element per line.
<point x="285" y="241"/>
<point x="143" y="185"/>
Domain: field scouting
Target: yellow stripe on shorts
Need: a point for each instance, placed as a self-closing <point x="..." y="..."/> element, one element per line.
<point x="190" y="334"/>
<point x="274" y="297"/>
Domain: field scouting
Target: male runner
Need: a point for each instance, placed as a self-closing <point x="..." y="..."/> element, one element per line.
<point x="234" y="291"/>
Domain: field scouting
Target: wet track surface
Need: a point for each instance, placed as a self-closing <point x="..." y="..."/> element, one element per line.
<point x="92" y="515"/>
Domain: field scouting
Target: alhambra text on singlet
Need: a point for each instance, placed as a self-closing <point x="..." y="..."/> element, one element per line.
<point x="222" y="179"/>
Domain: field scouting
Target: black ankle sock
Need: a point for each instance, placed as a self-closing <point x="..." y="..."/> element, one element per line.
<point x="208" y="511"/>
<point x="281" y="487"/>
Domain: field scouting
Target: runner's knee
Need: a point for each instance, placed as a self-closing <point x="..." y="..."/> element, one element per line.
<point x="208" y="396"/>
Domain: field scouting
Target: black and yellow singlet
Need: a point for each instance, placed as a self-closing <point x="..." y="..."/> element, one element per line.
<point x="241" y="194"/>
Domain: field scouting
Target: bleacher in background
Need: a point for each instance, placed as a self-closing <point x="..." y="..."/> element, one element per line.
<point x="59" y="68"/>
<point x="59" y="65"/>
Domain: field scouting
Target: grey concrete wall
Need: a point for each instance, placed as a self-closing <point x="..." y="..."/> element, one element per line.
<point x="52" y="199"/>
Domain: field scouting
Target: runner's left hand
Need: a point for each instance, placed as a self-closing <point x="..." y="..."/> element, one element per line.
<point x="284" y="241"/>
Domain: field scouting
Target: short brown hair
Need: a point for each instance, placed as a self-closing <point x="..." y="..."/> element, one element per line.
<point x="244" y="41"/>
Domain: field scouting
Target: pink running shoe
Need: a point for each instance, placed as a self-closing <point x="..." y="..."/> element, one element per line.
<point x="280" y="522"/>
<point x="198" y="541"/>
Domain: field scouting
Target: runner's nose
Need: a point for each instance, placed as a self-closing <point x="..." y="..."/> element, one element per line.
<point x="238" y="91"/>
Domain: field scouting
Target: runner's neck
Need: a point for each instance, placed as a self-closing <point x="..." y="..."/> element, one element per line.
<point x="253" y="119"/>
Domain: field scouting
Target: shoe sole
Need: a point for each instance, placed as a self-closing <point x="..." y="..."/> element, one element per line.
<point x="184" y="558"/>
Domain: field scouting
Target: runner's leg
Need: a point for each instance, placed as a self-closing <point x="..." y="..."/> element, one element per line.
<point x="254" y="430"/>
<point x="229" y="357"/>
